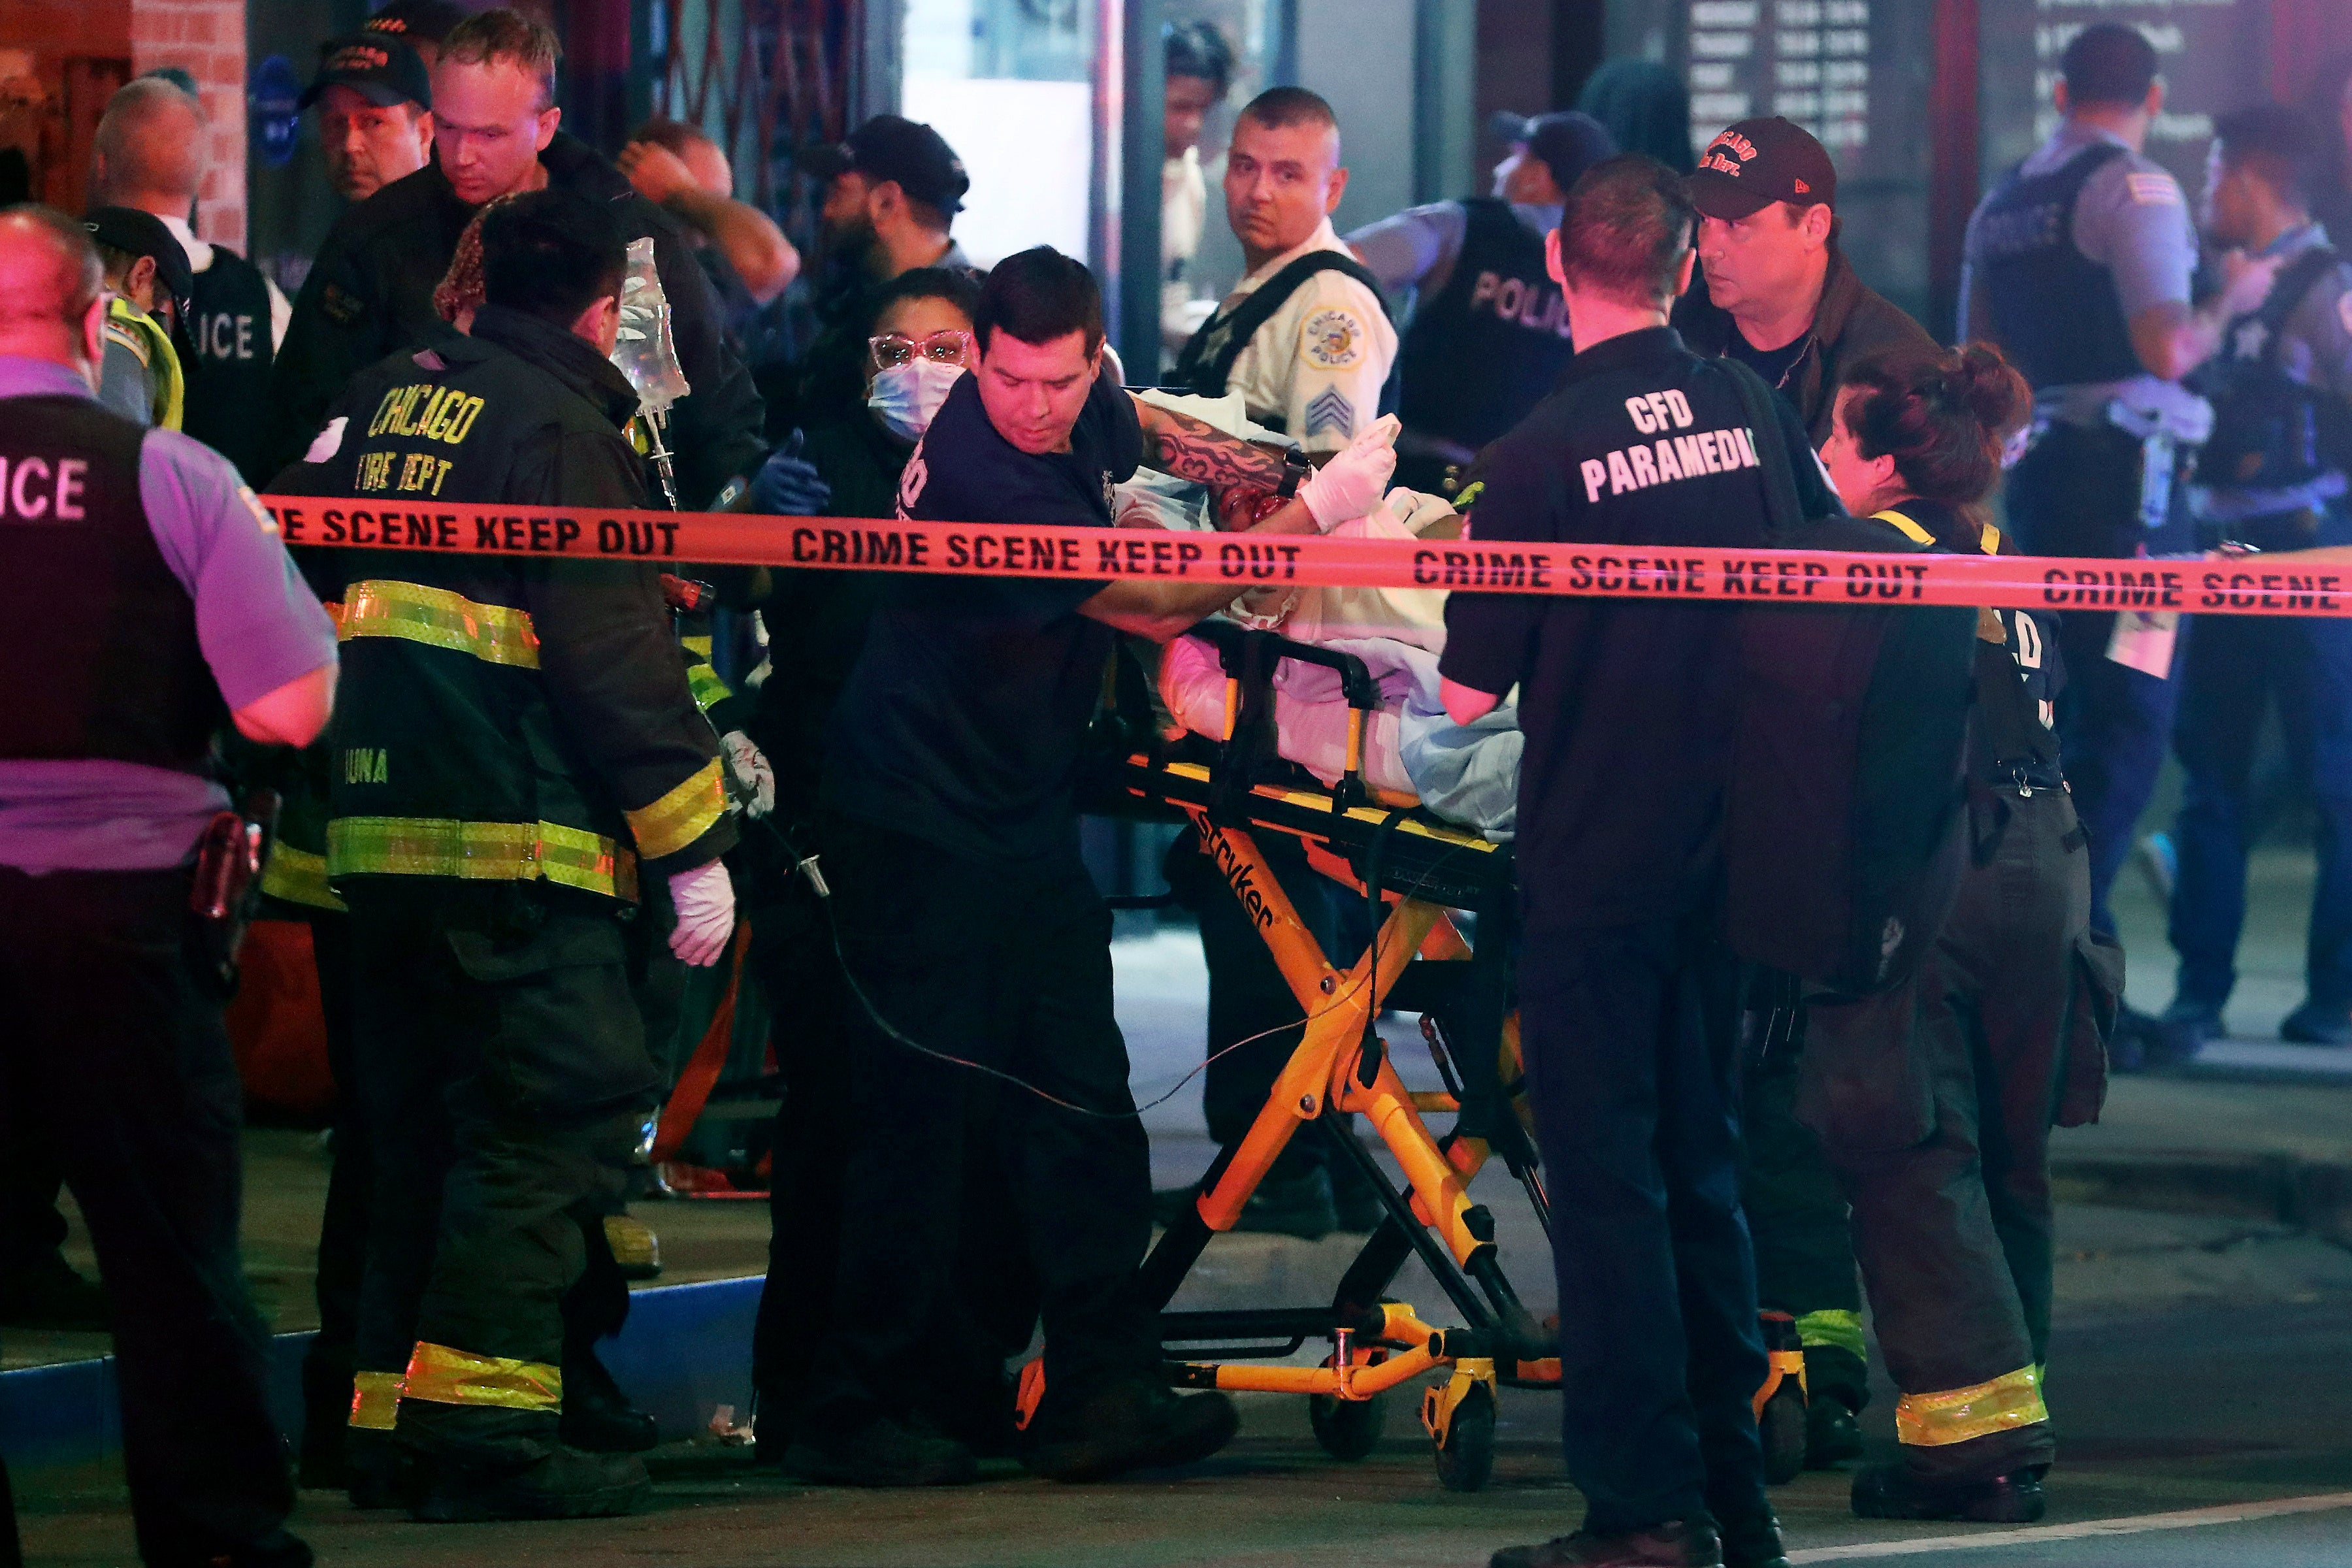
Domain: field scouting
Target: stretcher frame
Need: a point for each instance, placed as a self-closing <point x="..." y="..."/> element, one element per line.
<point x="1416" y="872"/>
<point x="1420" y="962"/>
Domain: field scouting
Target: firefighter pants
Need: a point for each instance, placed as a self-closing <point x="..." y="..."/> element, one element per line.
<point x="1797" y="1219"/>
<point x="116" y="1044"/>
<point x="1629" y="1034"/>
<point x="503" y="1076"/>
<point x="1006" y="965"/>
<point x="2077" y="492"/>
<point x="1939" y="1126"/>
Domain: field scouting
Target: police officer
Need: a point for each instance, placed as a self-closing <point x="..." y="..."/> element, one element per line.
<point x="1306" y="343"/>
<point x="1489" y="333"/>
<point x="2272" y="475"/>
<point x="518" y="749"/>
<point x="495" y="134"/>
<point x="375" y="99"/>
<point x="149" y="155"/>
<point x="184" y="612"/>
<point x="2077" y="266"/>
<point x="149" y="278"/>
<point x="1628" y="990"/>
<point x="968" y="922"/>
<point x="1303" y="338"/>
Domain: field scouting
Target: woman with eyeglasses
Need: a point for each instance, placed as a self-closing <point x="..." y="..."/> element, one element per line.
<point x="918" y="343"/>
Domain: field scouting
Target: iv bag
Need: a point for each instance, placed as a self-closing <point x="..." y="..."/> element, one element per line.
<point x="646" y="353"/>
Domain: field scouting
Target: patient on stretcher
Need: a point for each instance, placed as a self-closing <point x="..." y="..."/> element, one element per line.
<point x="1467" y="775"/>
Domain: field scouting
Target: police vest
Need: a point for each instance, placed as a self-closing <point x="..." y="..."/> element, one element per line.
<point x="2056" y="310"/>
<point x="228" y="362"/>
<point x="2269" y="430"/>
<point x="1491" y="344"/>
<point x="446" y="758"/>
<point x="98" y="640"/>
<point x="1207" y="363"/>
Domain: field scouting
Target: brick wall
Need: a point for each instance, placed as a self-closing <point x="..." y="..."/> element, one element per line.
<point x="207" y="38"/>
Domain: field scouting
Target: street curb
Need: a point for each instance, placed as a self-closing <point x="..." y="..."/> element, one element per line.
<point x="2309" y="1195"/>
<point x="686" y="1351"/>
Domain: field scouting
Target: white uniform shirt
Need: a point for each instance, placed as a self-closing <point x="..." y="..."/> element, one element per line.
<point x="1316" y="368"/>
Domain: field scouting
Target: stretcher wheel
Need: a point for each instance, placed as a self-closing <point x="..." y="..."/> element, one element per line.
<point x="1782" y="1428"/>
<point x="1466" y="1458"/>
<point x="1348" y="1429"/>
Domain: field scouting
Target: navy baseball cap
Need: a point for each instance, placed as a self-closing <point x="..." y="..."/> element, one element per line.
<point x="376" y="66"/>
<point x="889" y="147"/>
<point x="430" y="20"/>
<point x="1751" y="164"/>
<point x="136" y="233"/>
<point x="1568" y="143"/>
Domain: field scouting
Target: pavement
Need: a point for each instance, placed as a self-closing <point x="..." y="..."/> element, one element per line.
<point x="2202" y="1358"/>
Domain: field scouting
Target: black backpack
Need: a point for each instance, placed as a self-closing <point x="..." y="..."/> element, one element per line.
<point x="1843" y="831"/>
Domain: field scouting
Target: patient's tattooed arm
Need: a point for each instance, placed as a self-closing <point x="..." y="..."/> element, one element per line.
<point x="1181" y="444"/>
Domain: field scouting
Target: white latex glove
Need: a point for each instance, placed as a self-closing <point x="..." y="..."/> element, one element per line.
<point x="750" y="765"/>
<point x="1351" y="484"/>
<point x="705" y="900"/>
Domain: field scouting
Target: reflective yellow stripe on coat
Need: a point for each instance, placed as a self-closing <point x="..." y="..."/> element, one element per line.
<point x="375" y="1400"/>
<point x="682" y="816"/>
<point x="480" y="852"/>
<point x="447" y="1376"/>
<point x="298" y="876"/>
<point x="495" y="634"/>
<point x="1957" y="1414"/>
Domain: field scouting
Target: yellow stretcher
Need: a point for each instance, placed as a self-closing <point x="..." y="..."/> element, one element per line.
<point x="1419" y="873"/>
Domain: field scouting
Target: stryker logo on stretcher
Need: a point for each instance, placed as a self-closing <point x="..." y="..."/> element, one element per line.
<point x="2283" y="585"/>
<point x="1236" y="873"/>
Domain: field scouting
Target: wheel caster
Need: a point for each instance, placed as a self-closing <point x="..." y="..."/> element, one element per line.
<point x="1465" y="1444"/>
<point x="1348" y="1429"/>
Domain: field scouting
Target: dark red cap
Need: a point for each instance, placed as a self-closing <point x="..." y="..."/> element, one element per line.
<point x="1756" y="163"/>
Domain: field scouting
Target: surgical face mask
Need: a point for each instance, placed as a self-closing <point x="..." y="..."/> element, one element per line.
<point x="906" y="397"/>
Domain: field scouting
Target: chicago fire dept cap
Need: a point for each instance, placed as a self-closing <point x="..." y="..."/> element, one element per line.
<point x="1757" y="162"/>
<point x="376" y="66"/>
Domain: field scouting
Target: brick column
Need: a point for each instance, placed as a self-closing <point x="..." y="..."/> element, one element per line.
<point x="206" y="38"/>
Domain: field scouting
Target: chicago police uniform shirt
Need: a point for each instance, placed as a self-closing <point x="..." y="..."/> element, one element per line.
<point x="962" y="722"/>
<point x="1627" y="706"/>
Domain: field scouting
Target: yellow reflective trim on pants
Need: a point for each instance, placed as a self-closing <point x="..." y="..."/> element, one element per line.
<point x="375" y="1400"/>
<point x="480" y="852"/>
<point x="682" y="816"/>
<point x="446" y="1377"/>
<point x="495" y="634"/>
<point x="1957" y="1414"/>
<point x="1835" y="1328"/>
<point x="298" y="877"/>
<point x="707" y="689"/>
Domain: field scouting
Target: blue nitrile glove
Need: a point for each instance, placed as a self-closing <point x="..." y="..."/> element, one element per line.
<point x="788" y="484"/>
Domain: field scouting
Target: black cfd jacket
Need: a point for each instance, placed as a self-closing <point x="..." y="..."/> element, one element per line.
<point x="504" y="718"/>
<point x="370" y="294"/>
<point x="1851" y="323"/>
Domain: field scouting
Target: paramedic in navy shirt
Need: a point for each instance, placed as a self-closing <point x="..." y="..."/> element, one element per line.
<point x="969" y="925"/>
<point x="1628" y="990"/>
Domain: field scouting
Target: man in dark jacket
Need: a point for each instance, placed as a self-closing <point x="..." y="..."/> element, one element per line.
<point x="1779" y="296"/>
<point x="521" y="748"/>
<point x="1775" y="292"/>
<point x="370" y="293"/>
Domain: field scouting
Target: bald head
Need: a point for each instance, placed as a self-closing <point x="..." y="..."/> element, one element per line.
<point x="49" y="283"/>
<point x="150" y="148"/>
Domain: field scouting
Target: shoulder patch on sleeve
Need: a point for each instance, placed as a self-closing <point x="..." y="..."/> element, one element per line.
<point x="125" y="338"/>
<point x="342" y="306"/>
<point x="260" y="513"/>
<point x="1332" y="338"/>
<point x="1331" y="411"/>
<point x="2157" y="189"/>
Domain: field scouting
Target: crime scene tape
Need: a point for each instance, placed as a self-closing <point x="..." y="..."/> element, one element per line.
<point x="2252" y="585"/>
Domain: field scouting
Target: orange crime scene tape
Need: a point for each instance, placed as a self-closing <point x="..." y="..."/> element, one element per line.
<point x="2252" y="585"/>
